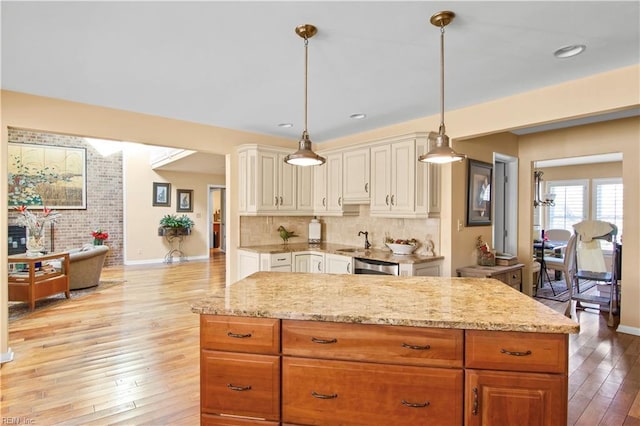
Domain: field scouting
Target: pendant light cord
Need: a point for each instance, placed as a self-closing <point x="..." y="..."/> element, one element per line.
<point x="306" y="78"/>
<point x="441" y="130"/>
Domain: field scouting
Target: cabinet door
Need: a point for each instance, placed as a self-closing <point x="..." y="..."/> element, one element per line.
<point x="356" y="175"/>
<point x="320" y="188"/>
<point x="287" y="185"/>
<point x="267" y="193"/>
<point x="301" y="262"/>
<point x="304" y="196"/>
<point x="336" y="264"/>
<point x="515" y="398"/>
<point x="334" y="183"/>
<point x="248" y="263"/>
<point x="316" y="264"/>
<point x="403" y="169"/>
<point x="381" y="178"/>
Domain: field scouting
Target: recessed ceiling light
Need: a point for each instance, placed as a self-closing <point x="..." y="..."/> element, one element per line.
<point x="358" y="116"/>
<point x="285" y="125"/>
<point x="569" y="51"/>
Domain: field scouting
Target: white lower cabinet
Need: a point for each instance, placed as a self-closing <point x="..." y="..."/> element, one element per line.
<point x="248" y="263"/>
<point x="308" y="262"/>
<point x="337" y="264"/>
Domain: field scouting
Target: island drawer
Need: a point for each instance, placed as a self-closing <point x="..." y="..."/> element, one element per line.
<point x="242" y="334"/>
<point x="516" y="351"/>
<point x="215" y="420"/>
<point x="373" y="343"/>
<point x="240" y="384"/>
<point x="344" y="392"/>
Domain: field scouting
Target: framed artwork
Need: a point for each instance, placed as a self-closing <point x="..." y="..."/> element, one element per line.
<point x="479" y="177"/>
<point x="185" y="200"/>
<point x="161" y="194"/>
<point x="45" y="175"/>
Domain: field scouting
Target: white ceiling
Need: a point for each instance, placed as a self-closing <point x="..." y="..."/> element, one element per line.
<point x="240" y="65"/>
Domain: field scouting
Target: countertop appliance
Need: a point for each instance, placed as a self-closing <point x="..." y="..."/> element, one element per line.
<point x="375" y="267"/>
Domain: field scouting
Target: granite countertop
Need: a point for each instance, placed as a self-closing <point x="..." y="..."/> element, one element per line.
<point x="442" y="302"/>
<point x="376" y="254"/>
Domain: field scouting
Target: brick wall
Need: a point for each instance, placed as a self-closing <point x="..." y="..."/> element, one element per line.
<point x="104" y="197"/>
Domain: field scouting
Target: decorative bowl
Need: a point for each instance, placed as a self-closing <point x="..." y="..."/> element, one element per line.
<point x="401" y="248"/>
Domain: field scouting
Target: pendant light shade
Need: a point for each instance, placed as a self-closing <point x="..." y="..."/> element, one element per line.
<point x="305" y="156"/>
<point x="442" y="152"/>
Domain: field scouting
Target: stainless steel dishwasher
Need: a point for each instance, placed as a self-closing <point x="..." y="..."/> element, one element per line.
<point x="375" y="267"/>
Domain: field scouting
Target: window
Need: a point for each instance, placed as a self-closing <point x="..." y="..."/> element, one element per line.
<point x="570" y="204"/>
<point x="607" y="202"/>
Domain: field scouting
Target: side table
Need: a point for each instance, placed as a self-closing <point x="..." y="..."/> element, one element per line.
<point x="37" y="281"/>
<point x="510" y="275"/>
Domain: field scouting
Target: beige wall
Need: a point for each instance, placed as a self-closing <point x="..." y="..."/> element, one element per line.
<point x="607" y="92"/>
<point x="142" y="243"/>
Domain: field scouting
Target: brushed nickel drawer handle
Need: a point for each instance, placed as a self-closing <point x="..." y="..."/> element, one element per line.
<point x="323" y="341"/>
<point x="474" y="411"/>
<point x="415" y="404"/>
<point x="238" y="388"/>
<point x="238" y="336"/>
<point x="323" y="396"/>
<point x="416" y="347"/>
<point x="527" y="353"/>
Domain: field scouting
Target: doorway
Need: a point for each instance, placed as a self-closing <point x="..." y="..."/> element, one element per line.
<point x="217" y="220"/>
<point x="505" y="183"/>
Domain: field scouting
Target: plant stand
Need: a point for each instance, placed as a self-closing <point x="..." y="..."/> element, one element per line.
<point x="174" y="236"/>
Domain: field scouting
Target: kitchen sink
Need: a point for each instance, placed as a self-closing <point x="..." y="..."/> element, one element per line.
<point x="350" y="250"/>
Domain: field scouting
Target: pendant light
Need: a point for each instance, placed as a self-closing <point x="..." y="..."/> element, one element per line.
<point x="549" y="198"/>
<point x="442" y="152"/>
<point x="305" y="156"/>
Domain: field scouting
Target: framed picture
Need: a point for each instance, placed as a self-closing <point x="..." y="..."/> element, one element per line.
<point x="45" y="175"/>
<point x="479" y="193"/>
<point x="161" y="194"/>
<point x="185" y="200"/>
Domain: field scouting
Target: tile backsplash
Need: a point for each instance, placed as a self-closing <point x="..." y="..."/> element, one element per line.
<point x="262" y="230"/>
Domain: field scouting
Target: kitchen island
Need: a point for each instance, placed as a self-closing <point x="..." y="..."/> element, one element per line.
<point x="297" y="348"/>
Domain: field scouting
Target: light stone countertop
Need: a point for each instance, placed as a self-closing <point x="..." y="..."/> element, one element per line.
<point x="441" y="302"/>
<point x="376" y="254"/>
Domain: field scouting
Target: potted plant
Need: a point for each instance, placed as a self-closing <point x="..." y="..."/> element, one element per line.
<point x="174" y="225"/>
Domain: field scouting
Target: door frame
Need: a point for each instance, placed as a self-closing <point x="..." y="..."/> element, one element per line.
<point x="506" y="204"/>
<point x="223" y="201"/>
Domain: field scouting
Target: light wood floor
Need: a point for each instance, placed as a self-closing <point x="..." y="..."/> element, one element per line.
<point x="128" y="355"/>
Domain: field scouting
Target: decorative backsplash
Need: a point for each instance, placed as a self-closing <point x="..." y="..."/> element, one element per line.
<point x="262" y="230"/>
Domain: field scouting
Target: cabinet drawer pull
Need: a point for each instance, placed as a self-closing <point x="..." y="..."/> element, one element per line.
<point x="323" y="341"/>
<point x="323" y="396"/>
<point x="386" y="199"/>
<point x="276" y="200"/>
<point x="474" y="410"/>
<point x="281" y="259"/>
<point x="504" y="351"/>
<point x="393" y="198"/>
<point x="324" y="201"/>
<point x="415" y="404"/>
<point x="238" y="336"/>
<point x="366" y="187"/>
<point x="238" y="388"/>
<point x="416" y="347"/>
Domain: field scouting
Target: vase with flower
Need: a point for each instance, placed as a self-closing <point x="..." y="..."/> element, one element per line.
<point x="486" y="257"/>
<point x="35" y="227"/>
<point x="99" y="236"/>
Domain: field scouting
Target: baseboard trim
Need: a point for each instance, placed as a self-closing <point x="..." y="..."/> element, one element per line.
<point x="628" y="330"/>
<point x="6" y="356"/>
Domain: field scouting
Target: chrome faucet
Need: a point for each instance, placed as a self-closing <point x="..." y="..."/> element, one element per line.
<point x="367" y="244"/>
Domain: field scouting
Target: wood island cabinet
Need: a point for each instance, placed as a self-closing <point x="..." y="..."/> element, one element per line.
<point x="263" y="371"/>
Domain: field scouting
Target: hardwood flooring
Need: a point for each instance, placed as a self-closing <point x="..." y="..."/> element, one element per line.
<point x="129" y="355"/>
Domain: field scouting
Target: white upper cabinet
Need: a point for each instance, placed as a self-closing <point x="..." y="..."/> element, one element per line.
<point x="355" y="176"/>
<point x="305" y="189"/>
<point x="267" y="185"/>
<point x="399" y="183"/>
<point x="328" y="188"/>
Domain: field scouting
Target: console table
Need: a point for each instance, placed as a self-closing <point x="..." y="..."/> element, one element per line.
<point x="511" y="275"/>
<point x="37" y="280"/>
